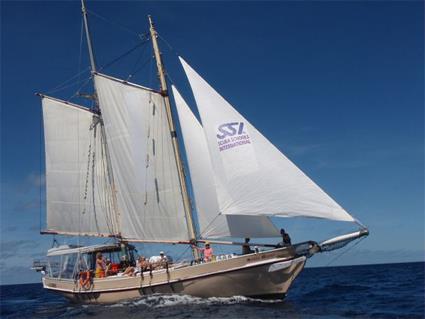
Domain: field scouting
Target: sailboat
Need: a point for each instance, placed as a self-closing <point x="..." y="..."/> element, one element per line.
<point x="116" y="171"/>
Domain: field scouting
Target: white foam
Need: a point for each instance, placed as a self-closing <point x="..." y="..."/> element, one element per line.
<point x="165" y="300"/>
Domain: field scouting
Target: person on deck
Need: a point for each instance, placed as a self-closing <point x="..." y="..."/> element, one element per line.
<point x="108" y="266"/>
<point x="142" y="265"/>
<point x="125" y="265"/>
<point x="286" y="240"/>
<point x="246" y="249"/>
<point x="207" y="251"/>
<point x="159" y="262"/>
<point x="100" y="266"/>
<point x="164" y="260"/>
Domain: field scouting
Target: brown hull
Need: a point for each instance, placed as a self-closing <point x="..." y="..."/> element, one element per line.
<point x="267" y="275"/>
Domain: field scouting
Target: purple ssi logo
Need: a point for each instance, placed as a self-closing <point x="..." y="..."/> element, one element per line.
<point x="231" y="135"/>
<point x="230" y="129"/>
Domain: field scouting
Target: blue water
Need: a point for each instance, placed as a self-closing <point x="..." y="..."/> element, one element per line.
<point x="373" y="291"/>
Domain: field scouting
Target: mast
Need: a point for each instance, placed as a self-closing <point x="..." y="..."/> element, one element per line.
<point x="89" y="43"/>
<point x="94" y="97"/>
<point x="164" y="92"/>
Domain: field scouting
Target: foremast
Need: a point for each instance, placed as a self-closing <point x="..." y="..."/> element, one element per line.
<point x="89" y="42"/>
<point x="181" y="175"/>
<point x="95" y="98"/>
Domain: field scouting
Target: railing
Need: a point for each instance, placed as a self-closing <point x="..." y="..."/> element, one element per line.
<point x="39" y="265"/>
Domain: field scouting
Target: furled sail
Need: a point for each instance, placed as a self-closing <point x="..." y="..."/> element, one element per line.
<point x="148" y="191"/>
<point x="343" y="240"/>
<point x="252" y="175"/>
<point x="212" y="223"/>
<point x="77" y="188"/>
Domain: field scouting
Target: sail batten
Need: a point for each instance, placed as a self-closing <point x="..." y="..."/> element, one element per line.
<point x="252" y="176"/>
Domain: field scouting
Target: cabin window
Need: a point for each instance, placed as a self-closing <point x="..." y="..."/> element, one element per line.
<point x="54" y="266"/>
<point x="85" y="262"/>
<point x="62" y="266"/>
<point x="68" y="265"/>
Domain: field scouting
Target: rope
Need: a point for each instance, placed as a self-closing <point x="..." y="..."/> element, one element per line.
<point x="121" y="26"/>
<point x="182" y="254"/>
<point x="40" y="172"/>
<point x="81" y="49"/>
<point x="185" y="251"/>
<point x="151" y="68"/>
<point x="79" y="178"/>
<point x="135" y="71"/>
<point x="79" y="89"/>
<point x="135" y="64"/>
<point x="170" y="79"/>
<point x="168" y="44"/>
<point x="65" y="85"/>
<point x="345" y="251"/>
<point x="122" y="55"/>
<point x="62" y="85"/>
<point x="105" y="195"/>
<point x="209" y="224"/>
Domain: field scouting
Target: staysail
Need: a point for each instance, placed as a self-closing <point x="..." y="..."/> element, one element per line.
<point x="147" y="187"/>
<point x="212" y="223"/>
<point x="252" y="176"/>
<point x="77" y="188"/>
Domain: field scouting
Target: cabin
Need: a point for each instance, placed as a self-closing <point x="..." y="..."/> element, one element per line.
<point x="67" y="261"/>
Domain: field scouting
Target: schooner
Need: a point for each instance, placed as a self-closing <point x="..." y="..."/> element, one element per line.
<point x="116" y="171"/>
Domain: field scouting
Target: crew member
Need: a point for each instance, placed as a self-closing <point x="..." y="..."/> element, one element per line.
<point x="246" y="249"/>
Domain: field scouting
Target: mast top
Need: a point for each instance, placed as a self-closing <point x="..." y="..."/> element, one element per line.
<point x="89" y="42"/>
<point x="150" y="20"/>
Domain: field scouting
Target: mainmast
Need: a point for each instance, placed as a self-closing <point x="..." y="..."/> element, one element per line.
<point x="164" y="92"/>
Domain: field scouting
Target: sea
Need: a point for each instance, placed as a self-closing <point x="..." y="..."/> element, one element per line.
<point x="370" y="291"/>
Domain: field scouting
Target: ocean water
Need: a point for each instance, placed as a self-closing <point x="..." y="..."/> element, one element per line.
<point x="372" y="291"/>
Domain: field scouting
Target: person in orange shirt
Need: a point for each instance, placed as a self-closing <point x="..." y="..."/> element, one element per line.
<point x="207" y="251"/>
<point x="100" y="266"/>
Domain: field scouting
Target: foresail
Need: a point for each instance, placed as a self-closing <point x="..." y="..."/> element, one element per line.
<point x="212" y="223"/>
<point x="78" y="195"/>
<point x="145" y="174"/>
<point x="253" y="176"/>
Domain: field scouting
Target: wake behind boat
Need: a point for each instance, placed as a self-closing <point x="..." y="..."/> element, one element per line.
<point x="115" y="170"/>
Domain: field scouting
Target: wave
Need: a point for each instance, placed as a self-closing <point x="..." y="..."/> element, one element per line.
<point x="172" y="300"/>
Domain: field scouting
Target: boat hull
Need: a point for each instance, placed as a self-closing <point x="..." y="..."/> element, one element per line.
<point x="262" y="275"/>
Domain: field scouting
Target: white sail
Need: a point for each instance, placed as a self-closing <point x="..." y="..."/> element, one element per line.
<point x="77" y="191"/>
<point x="212" y="223"/>
<point x="255" y="177"/>
<point x="147" y="187"/>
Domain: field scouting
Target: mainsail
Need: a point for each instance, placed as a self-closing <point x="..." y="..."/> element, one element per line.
<point x="252" y="176"/>
<point x="212" y="223"/>
<point x="149" y="197"/>
<point x="77" y="187"/>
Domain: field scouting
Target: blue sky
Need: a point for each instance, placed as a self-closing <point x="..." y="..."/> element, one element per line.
<point x="337" y="86"/>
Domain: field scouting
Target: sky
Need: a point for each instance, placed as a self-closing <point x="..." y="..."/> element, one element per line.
<point x="338" y="87"/>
